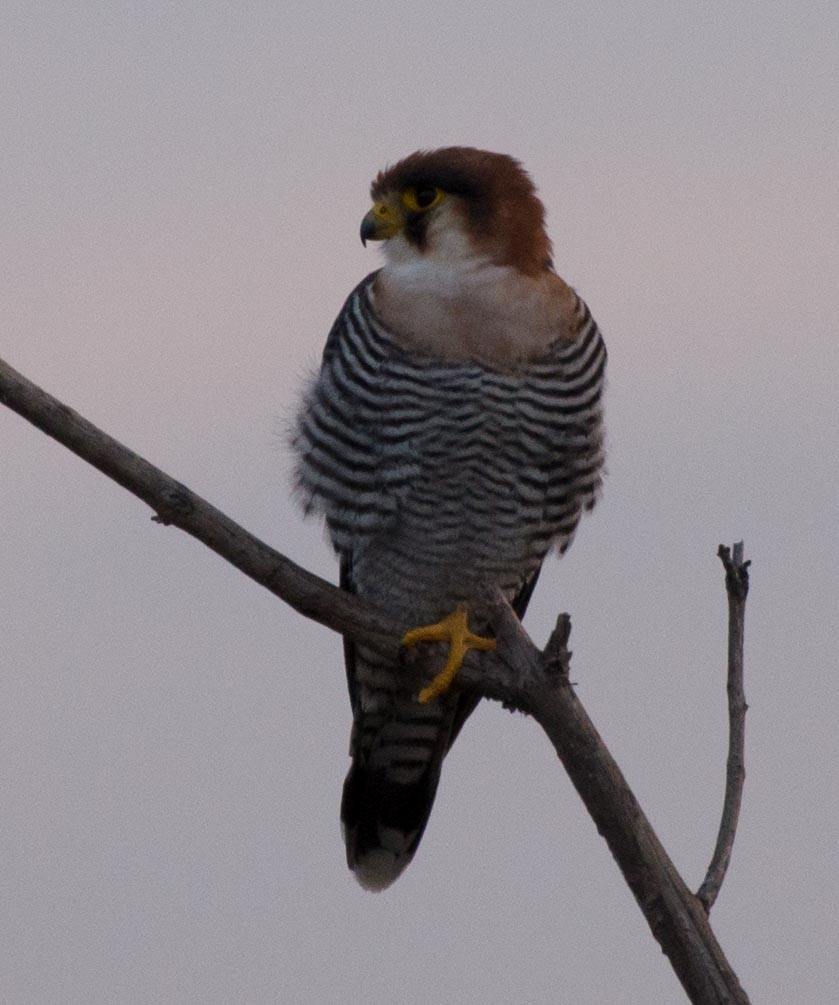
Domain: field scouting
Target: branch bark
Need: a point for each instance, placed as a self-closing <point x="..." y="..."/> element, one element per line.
<point x="517" y="674"/>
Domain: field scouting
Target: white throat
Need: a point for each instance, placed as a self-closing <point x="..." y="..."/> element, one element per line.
<point x="451" y="302"/>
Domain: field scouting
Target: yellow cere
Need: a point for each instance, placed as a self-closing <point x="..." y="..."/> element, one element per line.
<point x="418" y="200"/>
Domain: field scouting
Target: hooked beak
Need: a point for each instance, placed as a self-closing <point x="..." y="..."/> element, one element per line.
<point x="380" y="223"/>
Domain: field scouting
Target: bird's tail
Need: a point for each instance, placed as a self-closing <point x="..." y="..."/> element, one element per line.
<point x="390" y="788"/>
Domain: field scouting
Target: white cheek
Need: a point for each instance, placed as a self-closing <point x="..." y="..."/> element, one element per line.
<point x="448" y="242"/>
<point x="446" y="266"/>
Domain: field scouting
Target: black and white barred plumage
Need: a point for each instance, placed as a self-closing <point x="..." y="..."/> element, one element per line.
<point x="436" y="478"/>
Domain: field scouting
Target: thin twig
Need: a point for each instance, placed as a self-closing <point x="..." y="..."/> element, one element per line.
<point x="737" y="588"/>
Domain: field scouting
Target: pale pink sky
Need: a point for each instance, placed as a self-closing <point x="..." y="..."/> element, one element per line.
<point x="182" y="187"/>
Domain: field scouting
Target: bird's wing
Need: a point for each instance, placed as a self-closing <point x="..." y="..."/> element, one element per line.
<point x="347" y="584"/>
<point x="337" y="331"/>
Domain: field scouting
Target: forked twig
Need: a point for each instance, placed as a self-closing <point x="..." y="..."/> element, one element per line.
<point x="737" y="588"/>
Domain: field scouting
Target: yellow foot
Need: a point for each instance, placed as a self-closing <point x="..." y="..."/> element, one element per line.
<point x="453" y="629"/>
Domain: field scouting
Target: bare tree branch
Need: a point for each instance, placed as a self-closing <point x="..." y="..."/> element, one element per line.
<point x="737" y="588"/>
<point x="516" y="674"/>
<point x="538" y="683"/>
<point x="175" y="504"/>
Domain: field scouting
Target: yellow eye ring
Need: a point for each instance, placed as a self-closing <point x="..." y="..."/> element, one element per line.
<point x="418" y="199"/>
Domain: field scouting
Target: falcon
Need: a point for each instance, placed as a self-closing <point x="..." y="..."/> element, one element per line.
<point x="452" y="437"/>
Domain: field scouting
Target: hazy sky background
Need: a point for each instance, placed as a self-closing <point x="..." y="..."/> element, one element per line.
<point x="182" y="186"/>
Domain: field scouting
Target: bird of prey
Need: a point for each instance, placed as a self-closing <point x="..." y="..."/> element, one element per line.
<point x="451" y="438"/>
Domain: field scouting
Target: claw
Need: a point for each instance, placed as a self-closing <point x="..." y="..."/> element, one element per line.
<point x="453" y="629"/>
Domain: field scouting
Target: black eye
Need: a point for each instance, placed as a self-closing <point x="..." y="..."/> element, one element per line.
<point x="425" y="196"/>
<point x="418" y="200"/>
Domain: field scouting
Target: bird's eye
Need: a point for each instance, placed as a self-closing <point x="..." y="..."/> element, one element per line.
<point x="417" y="200"/>
<point x="425" y="196"/>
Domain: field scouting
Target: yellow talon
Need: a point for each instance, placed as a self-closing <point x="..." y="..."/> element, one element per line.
<point x="453" y="629"/>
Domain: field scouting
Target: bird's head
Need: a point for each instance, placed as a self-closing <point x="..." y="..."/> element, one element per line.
<point x="456" y="203"/>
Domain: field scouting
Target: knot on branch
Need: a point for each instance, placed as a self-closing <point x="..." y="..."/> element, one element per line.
<point x="517" y="668"/>
<point x="174" y="506"/>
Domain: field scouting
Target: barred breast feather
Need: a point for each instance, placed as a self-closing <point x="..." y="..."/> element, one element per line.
<point x="435" y="479"/>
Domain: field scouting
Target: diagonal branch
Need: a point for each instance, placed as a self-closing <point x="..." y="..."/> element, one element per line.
<point x="737" y="588"/>
<point x="175" y="504"/>
<point x="518" y="675"/>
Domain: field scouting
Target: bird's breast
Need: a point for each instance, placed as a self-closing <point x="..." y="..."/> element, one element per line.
<point x="473" y="311"/>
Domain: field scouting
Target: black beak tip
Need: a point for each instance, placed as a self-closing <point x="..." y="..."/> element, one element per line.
<point x="368" y="228"/>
